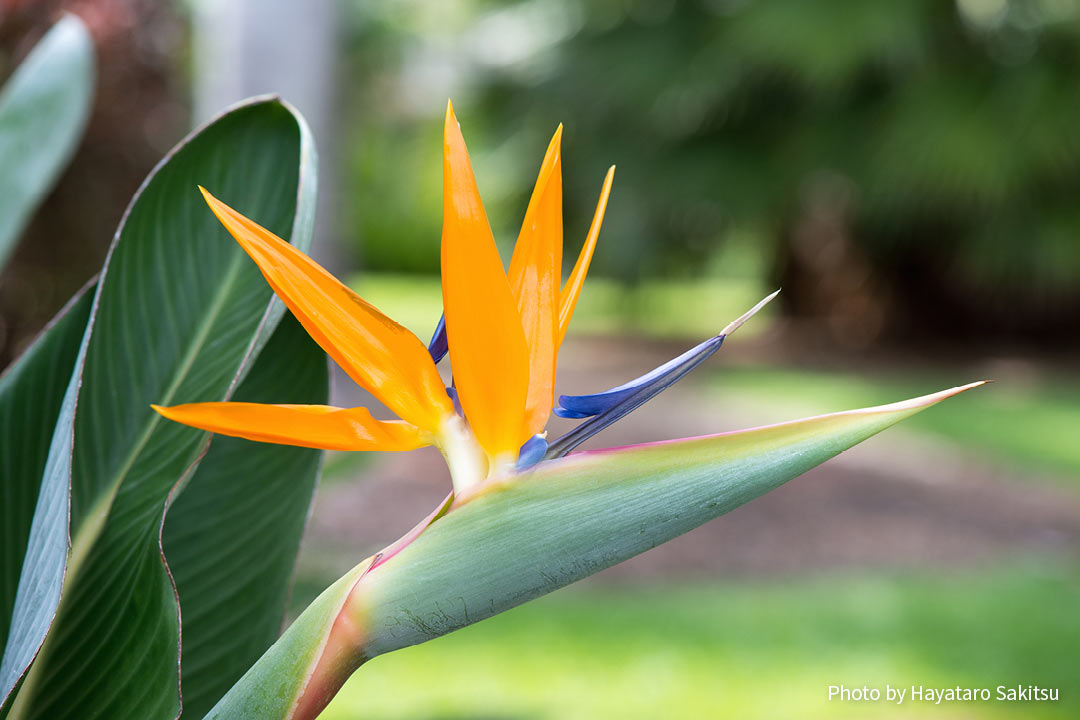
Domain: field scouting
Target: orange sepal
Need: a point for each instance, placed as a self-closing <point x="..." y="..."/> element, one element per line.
<point x="535" y="278"/>
<point x="380" y="355"/>
<point x="572" y="289"/>
<point x="488" y="351"/>
<point x="312" y="426"/>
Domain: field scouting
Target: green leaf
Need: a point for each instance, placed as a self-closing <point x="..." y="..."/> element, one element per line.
<point x="515" y="540"/>
<point x="43" y="110"/>
<point x="232" y="536"/>
<point x="180" y="314"/>
<point x="31" y="392"/>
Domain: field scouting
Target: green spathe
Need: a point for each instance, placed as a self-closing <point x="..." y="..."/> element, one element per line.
<point x="513" y="540"/>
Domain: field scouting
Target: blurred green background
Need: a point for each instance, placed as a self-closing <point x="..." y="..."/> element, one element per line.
<point x="907" y="171"/>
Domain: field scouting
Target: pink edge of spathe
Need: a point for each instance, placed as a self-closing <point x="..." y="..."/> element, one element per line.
<point x="912" y="404"/>
<point x="337" y="656"/>
<point x="401" y="543"/>
<point x="493" y="483"/>
<point x="335" y="660"/>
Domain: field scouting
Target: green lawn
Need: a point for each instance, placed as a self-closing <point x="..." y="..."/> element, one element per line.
<point x="753" y="650"/>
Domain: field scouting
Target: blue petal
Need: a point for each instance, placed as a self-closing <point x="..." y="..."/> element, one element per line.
<point x="452" y="392"/>
<point x="438" y="346"/>
<point x="583" y="406"/>
<point x="571" y="414"/>
<point x="531" y="452"/>
<point x="611" y="405"/>
<point x="633" y="395"/>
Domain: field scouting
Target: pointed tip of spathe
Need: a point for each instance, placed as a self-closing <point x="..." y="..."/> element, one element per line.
<point x="962" y="388"/>
<point x="739" y="321"/>
<point x="926" y="401"/>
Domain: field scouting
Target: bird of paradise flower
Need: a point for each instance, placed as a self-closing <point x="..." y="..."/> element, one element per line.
<point x="500" y="540"/>
<point x="502" y="330"/>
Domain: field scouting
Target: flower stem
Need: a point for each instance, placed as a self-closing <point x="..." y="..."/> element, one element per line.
<point x="466" y="460"/>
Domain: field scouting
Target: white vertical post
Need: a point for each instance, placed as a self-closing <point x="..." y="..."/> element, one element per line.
<point x="250" y="47"/>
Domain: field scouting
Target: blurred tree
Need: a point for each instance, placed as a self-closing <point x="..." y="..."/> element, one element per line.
<point x="911" y="163"/>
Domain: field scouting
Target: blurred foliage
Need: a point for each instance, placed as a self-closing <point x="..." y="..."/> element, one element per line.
<point x="136" y="117"/>
<point x="43" y="109"/>
<point x="653" y="308"/>
<point x="909" y="164"/>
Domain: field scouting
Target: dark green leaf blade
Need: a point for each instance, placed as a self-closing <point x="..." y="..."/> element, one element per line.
<point x="31" y="393"/>
<point x="180" y="315"/>
<point x="252" y="498"/>
<point x="43" y="110"/>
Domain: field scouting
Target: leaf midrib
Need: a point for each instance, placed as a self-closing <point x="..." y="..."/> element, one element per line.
<point x="179" y="375"/>
<point x="90" y="529"/>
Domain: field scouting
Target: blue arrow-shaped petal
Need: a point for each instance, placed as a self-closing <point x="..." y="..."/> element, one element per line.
<point x="438" y="347"/>
<point x="583" y="406"/>
<point x="606" y="407"/>
<point x="531" y="452"/>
